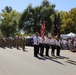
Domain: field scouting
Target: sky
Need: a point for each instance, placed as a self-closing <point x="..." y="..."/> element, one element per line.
<point x="20" y="5"/>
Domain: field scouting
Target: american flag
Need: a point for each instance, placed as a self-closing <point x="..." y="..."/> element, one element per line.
<point x="42" y="29"/>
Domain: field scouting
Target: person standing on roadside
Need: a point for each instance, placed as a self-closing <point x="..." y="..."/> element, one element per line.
<point x="53" y="45"/>
<point x="36" y="44"/>
<point x="58" y="44"/>
<point x="47" y="45"/>
<point x="42" y="42"/>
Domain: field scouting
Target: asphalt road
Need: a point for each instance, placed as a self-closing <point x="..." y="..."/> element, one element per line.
<point x="17" y="62"/>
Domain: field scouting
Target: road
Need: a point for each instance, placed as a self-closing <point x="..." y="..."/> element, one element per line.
<point x="18" y="62"/>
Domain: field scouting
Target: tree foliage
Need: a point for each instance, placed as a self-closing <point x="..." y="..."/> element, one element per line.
<point x="9" y="21"/>
<point x="68" y="21"/>
<point x="31" y="18"/>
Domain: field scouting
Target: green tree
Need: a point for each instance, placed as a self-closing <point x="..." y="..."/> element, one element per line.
<point x="73" y="17"/>
<point x="8" y="9"/>
<point x="31" y="18"/>
<point x="68" y="21"/>
<point x="9" y="22"/>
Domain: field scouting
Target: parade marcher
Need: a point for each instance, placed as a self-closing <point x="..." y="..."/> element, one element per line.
<point x="23" y="43"/>
<point x="58" y="44"/>
<point x="36" y="45"/>
<point x="17" y="42"/>
<point x="39" y="36"/>
<point x="42" y="42"/>
<point x="53" y="45"/>
<point x="10" y="42"/>
<point x="47" y="45"/>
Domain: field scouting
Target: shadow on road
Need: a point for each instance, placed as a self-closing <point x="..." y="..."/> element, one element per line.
<point x="54" y="59"/>
<point x="71" y="62"/>
<point x="62" y="57"/>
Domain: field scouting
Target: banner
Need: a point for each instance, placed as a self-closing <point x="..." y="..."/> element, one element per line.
<point x="43" y="29"/>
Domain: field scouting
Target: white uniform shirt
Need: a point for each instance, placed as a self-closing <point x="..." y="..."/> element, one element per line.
<point x="36" y="40"/>
<point x="41" y="40"/>
<point x="58" y="43"/>
<point x="47" y="41"/>
<point x="53" y="41"/>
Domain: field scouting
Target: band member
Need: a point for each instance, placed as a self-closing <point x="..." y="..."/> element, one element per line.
<point x="36" y="45"/>
<point x="39" y="36"/>
<point x="47" y="45"/>
<point x="42" y="42"/>
<point x="53" y="45"/>
<point x="58" y="44"/>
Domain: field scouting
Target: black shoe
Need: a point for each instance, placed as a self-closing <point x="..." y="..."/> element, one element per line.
<point x="41" y="55"/>
<point x="47" y="55"/>
<point x="58" y="55"/>
<point x="36" y="56"/>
